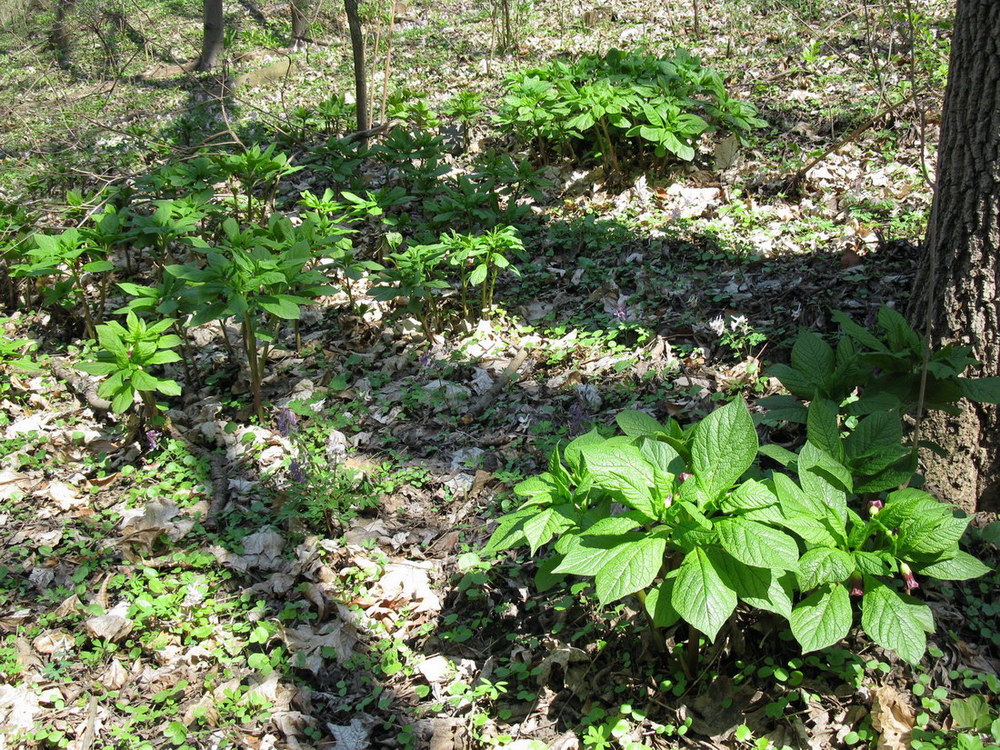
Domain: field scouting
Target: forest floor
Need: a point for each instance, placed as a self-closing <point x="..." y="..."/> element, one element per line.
<point x="185" y="590"/>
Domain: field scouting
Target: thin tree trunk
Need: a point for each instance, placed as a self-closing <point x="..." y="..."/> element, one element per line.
<point x="300" y="23"/>
<point x="212" y="38"/>
<point x="58" y="36"/>
<point x="955" y="295"/>
<point x="360" y="81"/>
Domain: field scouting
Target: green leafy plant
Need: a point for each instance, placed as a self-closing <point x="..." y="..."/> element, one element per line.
<point x="480" y="259"/>
<point x="65" y="263"/>
<point x="623" y="104"/>
<point x="685" y="520"/>
<point x="125" y="358"/>
<point x="254" y="176"/>
<point x="259" y="276"/>
<point x="417" y="274"/>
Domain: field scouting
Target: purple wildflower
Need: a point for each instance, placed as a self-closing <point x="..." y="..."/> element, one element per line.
<point x="621" y="313"/>
<point x="288" y="423"/>
<point x="909" y="580"/>
<point x="152" y="440"/>
<point x="875" y="506"/>
<point x="685" y="476"/>
<point x="577" y="417"/>
<point x="296" y="472"/>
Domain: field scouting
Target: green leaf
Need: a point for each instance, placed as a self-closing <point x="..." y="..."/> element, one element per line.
<point x="540" y="528"/>
<point x="813" y="357"/>
<point x="875" y="431"/>
<point x="749" y="495"/>
<point x="509" y="531"/>
<point x="822" y="428"/>
<point x="662" y="456"/>
<point x="894" y="621"/>
<point x="824" y="565"/>
<point x="168" y="387"/>
<point x="123" y="400"/>
<point x="97" y="368"/>
<point x="823" y="618"/>
<point x="724" y="446"/>
<point x="143" y="381"/>
<point x="631" y="568"/>
<point x="770" y="590"/>
<point x="928" y="535"/>
<point x="658" y="604"/>
<point x="961" y="567"/>
<point x="858" y="333"/>
<point x="980" y="390"/>
<point x="280" y="307"/>
<point x="755" y="544"/>
<point x="622" y="471"/>
<point x="701" y="595"/>
<point x="176" y="732"/>
<point x="545" y="578"/>
<point x="824" y="479"/>
<point x="638" y="424"/>
<point x="971" y="713"/>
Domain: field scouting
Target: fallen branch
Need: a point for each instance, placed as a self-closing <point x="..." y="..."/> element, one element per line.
<point x="494" y="390"/>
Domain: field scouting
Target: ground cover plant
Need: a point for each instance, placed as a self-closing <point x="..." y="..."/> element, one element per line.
<point x="575" y="404"/>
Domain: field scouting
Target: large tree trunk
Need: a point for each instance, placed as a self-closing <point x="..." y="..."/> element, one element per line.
<point x="959" y="275"/>
<point x="360" y="81"/>
<point x="300" y="23"/>
<point x="211" y="41"/>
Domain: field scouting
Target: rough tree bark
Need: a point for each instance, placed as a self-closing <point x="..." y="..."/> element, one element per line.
<point x="959" y="272"/>
<point x="300" y="23"/>
<point x="360" y="80"/>
<point x="212" y="37"/>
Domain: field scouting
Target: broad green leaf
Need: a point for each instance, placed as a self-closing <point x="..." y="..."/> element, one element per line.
<point x="509" y="531"/>
<point x="823" y="429"/>
<point x="758" y="545"/>
<point x="123" y="400"/>
<point x="545" y="578"/>
<point x="823" y="479"/>
<point x="971" y="713"/>
<point x="813" y="531"/>
<point x="163" y="356"/>
<point x="823" y="618"/>
<point x="280" y="307"/>
<point x="662" y="456"/>
<point x="621" y="470"/>
<point x="824" y="565"/>
<point x="980" y="390"/>
<point x="541" y="489"/>
<point x="749" y="495"/>
<point x="586" y="556"/>
<point x="97" y="368"/>
<point x="632" y="568"/>
<point x="701" y="595"/>
<point x="765" y="589"/>
<point x="544" y="525"/>
<point x="961" y="567"/>
<point x="573" y="451"/>
<point x="796" y="382"/>
<point x="168" y="387"/>
<point x="875" y="431"/>
<point x="724" y="446"/>
<point x="781" y="455"/>
<point x="871" y="564"/>
<point x="637" y="423"/>
<point x="658" y="604"/>
<point x="858" y="333"/>
<point x="931" y="535"/>
<point x="143" y="381"/>
<point x="894" y="621"/>
<point x="812" y="356"/>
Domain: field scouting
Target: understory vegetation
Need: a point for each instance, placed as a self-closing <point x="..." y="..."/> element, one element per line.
<point x="571" y="405"/>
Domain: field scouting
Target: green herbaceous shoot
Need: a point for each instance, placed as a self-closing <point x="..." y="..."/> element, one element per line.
<point x="537" y="376"/>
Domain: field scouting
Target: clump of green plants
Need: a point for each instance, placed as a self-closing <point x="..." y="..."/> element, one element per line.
<point x="692" y="522"/>
<point x="623" y="108"/>
<point x="424" y="275"/>
<point x="125" y="357"/>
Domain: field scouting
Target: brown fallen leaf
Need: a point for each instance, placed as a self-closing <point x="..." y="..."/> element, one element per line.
<point x="892" y="718"/>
